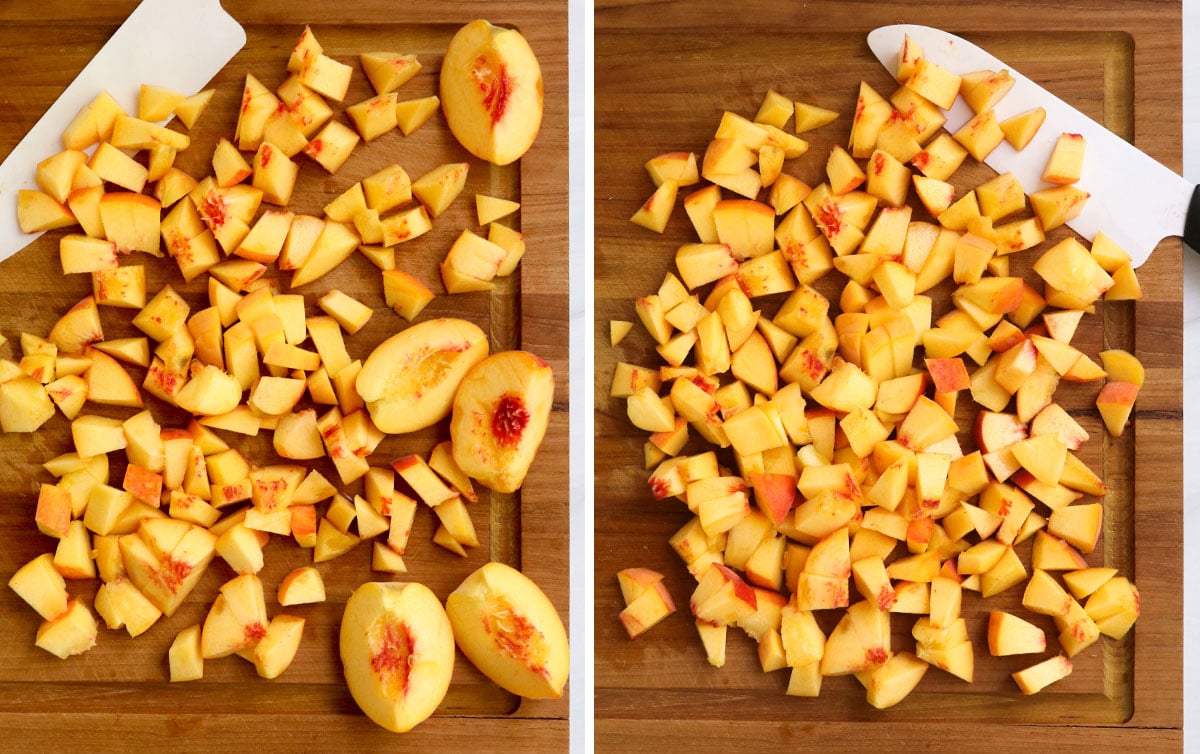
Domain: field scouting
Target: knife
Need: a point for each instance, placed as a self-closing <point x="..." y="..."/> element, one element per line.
<point x="177" y="44"/>
<point x="1135" y="200"/>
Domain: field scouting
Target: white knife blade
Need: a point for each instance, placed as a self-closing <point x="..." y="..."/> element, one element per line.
<point x="1135" y="200"/>
<point x="178" y="44"/>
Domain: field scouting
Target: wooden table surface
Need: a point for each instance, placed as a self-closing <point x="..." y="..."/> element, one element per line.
<point x="664" y="73"/>
<point x="116" y="697"/>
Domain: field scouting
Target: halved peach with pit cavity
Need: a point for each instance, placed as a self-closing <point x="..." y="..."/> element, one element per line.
<point x="408" y="382"/>
<point x="501" y="412"/>
<point x="397" y="652"/>
<point x="491" y="92"/>
<point x="508" y="628"/>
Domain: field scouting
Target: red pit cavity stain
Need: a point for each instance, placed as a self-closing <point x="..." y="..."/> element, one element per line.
<point x="255" y="632"/>
<point x="495" y="85"/>
<point x="829" y="218"/>
<point x="812" y="364"/>
<point x="214" y="210"/>
<point x="181" y="247"/>
<point x="173" y="572"/>
<point x="887" y="598"/>
<point x="509" y="419"/>
<point x="659" y="488"/>
<point x="393" y="660"/>
<point x="515" y="636"/>
<point x="794" y="253"/>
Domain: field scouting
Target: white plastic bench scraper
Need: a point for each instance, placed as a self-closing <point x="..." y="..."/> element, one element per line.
<point x="177" y="44"/>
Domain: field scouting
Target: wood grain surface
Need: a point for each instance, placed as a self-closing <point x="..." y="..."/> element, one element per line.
<point x="116" y="697"/>
<point x="664" y="74"/>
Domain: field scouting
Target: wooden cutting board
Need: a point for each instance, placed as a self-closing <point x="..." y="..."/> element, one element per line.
<point x="664" y="74"/>
<point x="116" y="697"/>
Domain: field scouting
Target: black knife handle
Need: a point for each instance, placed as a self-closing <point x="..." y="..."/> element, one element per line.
<point x="1191" y="224"/>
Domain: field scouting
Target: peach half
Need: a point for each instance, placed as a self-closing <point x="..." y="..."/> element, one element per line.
<point x="508" y="628"/>
<point x="499" y="418"/>
<point x="491" y="92"/>
<point x="397" y="652"/>
<point x="409" y="380"/>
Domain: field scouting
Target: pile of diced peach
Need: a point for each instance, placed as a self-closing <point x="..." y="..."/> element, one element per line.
<point x="834" y="477"/>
